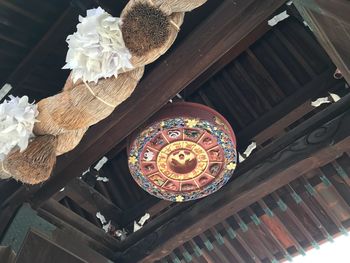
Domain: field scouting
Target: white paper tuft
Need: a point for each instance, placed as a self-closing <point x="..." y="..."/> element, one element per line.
<point x="97" y="50"/>
<point x="88" y="170"/>
<point x="107" y="226"/>
<point x="249" y="149"/>
<point x="320" y="101"/>
<point x="101" y="163"/>
<point x="17" y="118"/>
<point x="142" y="221"/>
<point x="241" y="159"/>
<point x="101" y="217"/>
<point x="102" y="179"/>
<point x="5" y="90"/>
<point x="278" y="18"/>
<point x="137" y="227"/>
<point x="335" y="97"/>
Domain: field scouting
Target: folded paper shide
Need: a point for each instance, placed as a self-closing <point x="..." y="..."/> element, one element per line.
<point x="97" y="50"/>
<point x="17" y="118"/>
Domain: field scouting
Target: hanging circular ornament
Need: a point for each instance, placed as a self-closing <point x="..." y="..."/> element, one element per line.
<point x="187" y="151"/>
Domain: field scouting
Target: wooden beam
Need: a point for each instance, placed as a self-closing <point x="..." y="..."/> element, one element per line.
<point x="76" y="235"/>
<point x="226" y="28"/>
<point x="229" y="56"/>
<point x="277" y="116"/>
<point x="38" y="248"/>
<point x="330" y="22"/>
<point x="310" y="150"/>
<point x="79" y="245"/>
<point x="92" y="201"/>
<point x="58" y="31"/>
<point x="55" y="213"/>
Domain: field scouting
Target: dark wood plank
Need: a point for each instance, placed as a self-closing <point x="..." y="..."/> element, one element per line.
<point x="226" y="28"/>
<point x="78" y="246"/>
<point x="330" y="23"/>
<point x="314" y="88"/>
<point x="278" y="127"/>
<point x="233" y="250"/>
<point x="247" y="248"/>
<point x="264" y="228"/>
<point x="58" y="31"/>
<point x="311" y="214"/>
<point x="290" y="236"/>
<point x="342" y="166"/>
<point x="7" y="255"/>
<point x="7" y="213"/>
<point x="234" y="52"/>
<point x="297" y="221"/>
<point x="324" y="205"/>
<point x="93" y="201"/>
<point x="37" y="248"/>
<point x="256" y="238"/>
<point x="54" y="208"/>
<point x="84" y="238"/>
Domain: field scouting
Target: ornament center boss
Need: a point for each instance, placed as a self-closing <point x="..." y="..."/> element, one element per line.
<point x="185" y="152"/>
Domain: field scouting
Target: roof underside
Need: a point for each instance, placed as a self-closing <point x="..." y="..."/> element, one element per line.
<point x="264" y="93"/>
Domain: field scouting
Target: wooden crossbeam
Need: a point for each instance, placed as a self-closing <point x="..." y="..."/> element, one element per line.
<point x="92" y="201"/>
<point x="56" y="213"/>
<point x="315" y="148"/>
<point x="39" y="52"/>
<point x="283" y="114"/>
<point x="330" y="22"/>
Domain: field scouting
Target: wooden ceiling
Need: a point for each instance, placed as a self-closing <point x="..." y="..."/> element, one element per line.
<point x="295" y="218"/>
<point x="267" y="80"/>
<point x="261" y="78"/>
<point x="22" y="25"/>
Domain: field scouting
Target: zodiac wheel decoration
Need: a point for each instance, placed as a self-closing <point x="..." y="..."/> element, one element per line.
<point x="188" y="151"/>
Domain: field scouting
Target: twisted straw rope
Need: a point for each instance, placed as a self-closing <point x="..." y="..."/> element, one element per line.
<point x="170" y="20"/>
<point x="97" y="97"/>
<point x="3" y="168"/>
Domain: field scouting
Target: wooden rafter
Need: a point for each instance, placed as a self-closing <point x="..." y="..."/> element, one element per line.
<point x="92" y="201"/>
<point x="39" y="52"/>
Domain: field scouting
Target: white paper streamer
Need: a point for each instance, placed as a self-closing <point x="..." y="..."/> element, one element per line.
<point x="5" y="90"/>
<point x="320" y="101"/>
<point x="88" y="170"/>
<point x="97" y="50"/>
<point x="17" y="118"/>
<point x="278" y="18"/>
<point x="101" y="217"/>
<point x="102" y="179"/>
<point x="106" y="227"/>
<point x="142" y="221"/>
<point x="101" y="163"/>
<point x="241" y="159"/>
<point x="334" y="96"/>
<point x="250" y="149"/>
<point x="247" y="152"/>
<point x="137" y="227"/>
